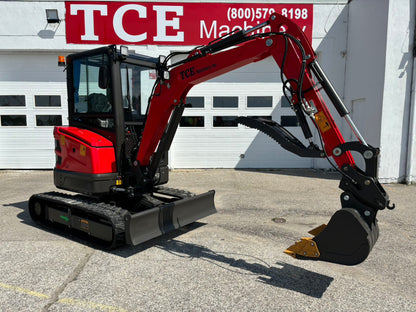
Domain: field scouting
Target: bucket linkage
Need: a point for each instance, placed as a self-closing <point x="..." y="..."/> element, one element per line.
<point x="353" y="230"/>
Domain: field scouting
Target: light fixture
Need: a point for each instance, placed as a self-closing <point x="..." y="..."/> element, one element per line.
<point x="124" y="50"/>
<point x="61" y="60"/>
<point x="52" y="16"/>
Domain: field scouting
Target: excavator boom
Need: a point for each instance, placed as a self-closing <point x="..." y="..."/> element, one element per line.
<point x="352" y="231"/>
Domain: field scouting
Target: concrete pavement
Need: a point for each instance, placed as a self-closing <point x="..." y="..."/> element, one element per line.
<point x="230" y="261"/>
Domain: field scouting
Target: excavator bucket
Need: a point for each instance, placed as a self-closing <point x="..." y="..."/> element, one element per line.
<point x="347" y="239"/>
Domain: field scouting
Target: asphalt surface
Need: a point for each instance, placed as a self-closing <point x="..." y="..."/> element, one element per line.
<point x="230" y="261"/>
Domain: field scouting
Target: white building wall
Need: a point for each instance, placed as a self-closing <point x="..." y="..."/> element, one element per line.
<point x="363" y="46"/>
<point x="378" y="79"/>
<point x="411" y="153"/>
<point x="365" y="65"/>
<point x="396" y="112"/>
<point x="24" y="30"/>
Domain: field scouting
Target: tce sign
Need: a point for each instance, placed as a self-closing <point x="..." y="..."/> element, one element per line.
<point x="167" y="23"/>
<point x="89" y="11"/>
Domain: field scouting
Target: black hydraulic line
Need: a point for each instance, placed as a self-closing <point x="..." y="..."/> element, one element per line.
<point x="297" y="107"/>
<point x="329" y="89"/>
<point x="224" y="43"/>
<point x="302" y="122"/>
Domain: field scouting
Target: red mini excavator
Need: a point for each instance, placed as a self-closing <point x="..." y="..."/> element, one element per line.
<point x="124" y="110"/>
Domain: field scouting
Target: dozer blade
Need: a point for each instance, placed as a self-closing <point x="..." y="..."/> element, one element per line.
<point x="151" y="223"/>
<point x="347" y="239"/>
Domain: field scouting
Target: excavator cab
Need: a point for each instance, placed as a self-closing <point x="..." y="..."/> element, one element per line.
<point x="108" y="95"/>
<point x="124" y="110"/>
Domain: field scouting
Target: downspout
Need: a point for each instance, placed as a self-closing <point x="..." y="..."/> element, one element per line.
<point x="411" y="152"/>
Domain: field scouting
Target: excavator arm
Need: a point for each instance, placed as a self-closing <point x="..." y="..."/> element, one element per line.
<point x="293" y="54"/>
<point x="352" y="231"/>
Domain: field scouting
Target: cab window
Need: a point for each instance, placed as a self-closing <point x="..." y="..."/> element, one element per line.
<point x="137" y="84"/>
<point x="92" y="91"/>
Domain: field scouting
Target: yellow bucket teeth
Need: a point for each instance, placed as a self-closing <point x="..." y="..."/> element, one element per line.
<point x="306" y="247"/>
<point x="317" y="230"/>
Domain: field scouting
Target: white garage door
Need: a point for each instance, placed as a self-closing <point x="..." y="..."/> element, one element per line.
<point x="32" y="100"/>
<point x="208" y="136"/>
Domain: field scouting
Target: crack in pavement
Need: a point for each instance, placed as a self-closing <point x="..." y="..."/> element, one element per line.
<point x="54" y="298"/>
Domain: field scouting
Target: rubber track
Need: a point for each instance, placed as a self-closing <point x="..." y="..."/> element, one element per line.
<point x="106" y="211"/>
<point x="111" y="213"/>
<point x="173" y="192"/>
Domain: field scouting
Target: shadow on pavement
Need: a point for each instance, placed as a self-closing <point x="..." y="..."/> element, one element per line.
<point x="24" y="214"/>
<point x="284" y="275"/>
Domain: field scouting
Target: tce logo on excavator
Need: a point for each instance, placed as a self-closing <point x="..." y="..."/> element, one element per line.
<point x="189" y="72"/>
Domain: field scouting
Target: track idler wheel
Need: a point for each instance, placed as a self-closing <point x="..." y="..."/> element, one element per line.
<point x="36" y="210"/>
<point x="347" y="239"/>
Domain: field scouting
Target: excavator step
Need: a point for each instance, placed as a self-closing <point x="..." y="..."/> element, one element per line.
<point x="347" y="239"/>
<point x="111" y="226"/>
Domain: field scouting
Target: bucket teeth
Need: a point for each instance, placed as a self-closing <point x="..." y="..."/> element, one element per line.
<point x="305" y="248"/>
<point x="317" y="230"/>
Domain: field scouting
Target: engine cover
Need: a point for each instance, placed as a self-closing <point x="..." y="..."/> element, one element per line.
<point x="85" y="161"/>
<point x="84" y="151"/>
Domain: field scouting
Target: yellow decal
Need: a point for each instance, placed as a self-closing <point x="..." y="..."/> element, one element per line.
<point x="82" y="150"/>
<point x="322" y="122"/>
<point x="85" y="224"/>
<point x="62" y="140"/>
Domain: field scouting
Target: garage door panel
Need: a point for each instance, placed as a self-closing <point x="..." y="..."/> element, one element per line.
<point x="21" y="67"/>
<point x="240" y="148"/>
<point x="235" y="146"/>
<point x="218" y="159"/>
<point x="36" y="159"/>
<point x="26" y="139"/>
<point x="26" y="149"/>
<point x="26" y="128"/>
